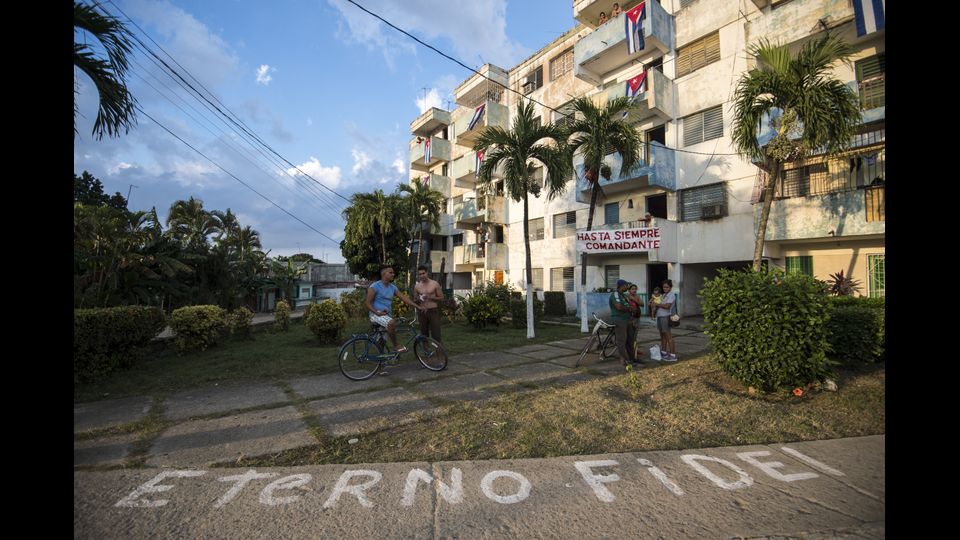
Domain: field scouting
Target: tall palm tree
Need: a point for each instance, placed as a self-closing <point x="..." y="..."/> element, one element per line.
<point x="515" y="154"/>
<point x="372" y="214"/>
<point x="117" y="104"/>
<point x="596" y="133"/>
<point x="191" y="225"/>
<point x="818" y="112"/>
<point x="424" y="205"/>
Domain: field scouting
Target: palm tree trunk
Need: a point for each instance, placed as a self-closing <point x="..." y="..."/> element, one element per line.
<point x="768" y="192"/>
<point x="526" y="245"/>
<point x="584" y="326"/>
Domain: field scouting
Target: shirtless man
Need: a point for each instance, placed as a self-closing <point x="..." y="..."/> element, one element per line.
<point x="427" y="294"/>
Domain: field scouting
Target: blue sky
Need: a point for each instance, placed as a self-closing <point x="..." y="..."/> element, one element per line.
<point x="328" y="87"/>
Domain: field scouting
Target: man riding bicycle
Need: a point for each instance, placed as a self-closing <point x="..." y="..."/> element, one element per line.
<point x="379" y="302"/>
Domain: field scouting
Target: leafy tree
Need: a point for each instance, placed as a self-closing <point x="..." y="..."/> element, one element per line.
<point x="304" y="257"/>
<point x="191" y="225"/>
<point x="594" y="134"/>
<point x="515" y="154"/>
<point x="369" y="240"/>
<point x="424" y="205"/>
<point x="87" y="189"/>
<point x="817" y="111"/>
<point x="116" y="110"/>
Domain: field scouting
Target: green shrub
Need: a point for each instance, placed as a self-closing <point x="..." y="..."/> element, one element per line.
<point x="239" y="322"/>
<point x="767" y="329"/>
<point x="198" y="327"/>
<point x="281" y="316"/>
<point x="107" y="339"/>
<point x="326" y="320"/>
<point x="555" y="303"/>
<point x="306" y="311"/>
<point x="500" y="293"/>
<point x="856" y="330"/>
<point x="353" y="303"/>
<point x="518" y="311"/>
<point x="398" y="308"/>
<point x="481" y="310"/>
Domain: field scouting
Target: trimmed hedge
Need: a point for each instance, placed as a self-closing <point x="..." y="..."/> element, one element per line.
<point x="108" y="339"/>
<point x="239" y="322"/>
<point x="326" y="320"/>
<point x="198" y="327"/>
<point x="281" y="316"/>
<point x="481" y="310"/>
<point x="518" y="311"/>
<point x="857" y="329"/>
<point x="555" y="303"/>
<point x="768" y="330"/>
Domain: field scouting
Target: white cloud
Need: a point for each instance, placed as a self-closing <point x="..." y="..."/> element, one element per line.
<point x="118" y="168"/>
<point x="399" y="166"/>
<point x="476" y="29"/>
<point x="430" y="99"/>
<point x="328" y="176"/>
<point x="263" y="74"/>
<point x="361" y="161"/>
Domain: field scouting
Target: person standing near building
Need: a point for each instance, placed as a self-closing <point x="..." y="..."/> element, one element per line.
<point x="635" y="313"/>
<point x="664" y="309"/>
<point x="379" y="303"/>
<point x="428" y="295"/>
<point x="620" y="316"/>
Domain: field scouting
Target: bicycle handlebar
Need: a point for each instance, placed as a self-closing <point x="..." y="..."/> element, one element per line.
<point x="601" y="321"/>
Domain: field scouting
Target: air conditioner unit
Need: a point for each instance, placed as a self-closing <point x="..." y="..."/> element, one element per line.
<point x="712" y="211"/>
<point x="529" y="86"/>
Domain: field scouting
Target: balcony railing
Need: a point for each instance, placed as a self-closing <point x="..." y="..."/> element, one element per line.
<point x="819" y="176"/>
<point x="873" y="93"/>
<point x="604" y="50"/>
<point x="655" y="168"/>
<point x="430" y="121"/>
<point x="657" y="100"/>
<point x="439" y="151"/>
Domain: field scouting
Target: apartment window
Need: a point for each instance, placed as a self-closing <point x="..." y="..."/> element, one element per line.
<point x="871" y="80"/>
<point x="802" y="264"/>
<point x="563" y="116"/>
<point x="611" y="213"/>
<point x="877" y="276"/>
<point x="796" y="181"/>
<point x="703" y="126"/>
<point x="458" y="239"/>
<point x="537" y="275"/>
<point x="701" y="52"/>
<point x="565" y="224"/>
<point x="536" y="229"/>
<point x="875" y="204"/>
<point x="533" y="80"/>
<point x="611" y="273"/>
<point x="705" y="202"/>
<point x="561" y="64"/>
<point x="561" y="279"/>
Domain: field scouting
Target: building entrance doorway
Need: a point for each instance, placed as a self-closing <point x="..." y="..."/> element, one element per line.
<point x="656" y="273"/>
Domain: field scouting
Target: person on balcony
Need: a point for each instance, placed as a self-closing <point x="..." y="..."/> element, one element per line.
<point x="616" y="10"/>
<point x="603" y="19"/>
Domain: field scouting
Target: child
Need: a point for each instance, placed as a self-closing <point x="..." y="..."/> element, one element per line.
<point x="655" y="298"/>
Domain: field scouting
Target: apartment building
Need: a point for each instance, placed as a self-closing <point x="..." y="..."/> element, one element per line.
<point x="689" y="183"/>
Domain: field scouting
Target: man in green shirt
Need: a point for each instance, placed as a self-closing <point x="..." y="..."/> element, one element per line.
<point x="620" y="316"/>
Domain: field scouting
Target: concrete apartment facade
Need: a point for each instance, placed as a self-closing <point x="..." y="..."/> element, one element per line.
<point x="828" y="215"/>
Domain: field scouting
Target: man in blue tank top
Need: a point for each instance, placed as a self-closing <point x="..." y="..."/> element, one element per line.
<point x="380" y="301"/>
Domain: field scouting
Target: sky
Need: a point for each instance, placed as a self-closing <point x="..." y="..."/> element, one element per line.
<point x="326" y="86"/>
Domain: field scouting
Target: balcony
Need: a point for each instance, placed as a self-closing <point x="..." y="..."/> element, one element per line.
<point x="477" y="88"/>
<point x="446" y="226"/>
<point x="473" y="211"/>
<point x="873" y="98"/>
<point x="494" y="114"/>
<point x="437" y="182"/>
<point x="438" y="259"/>
<point x="489" y="255"/>
<point x="439" y="151"/>
<point x="430" y="121"/>
<point x="463" y="173"/>
<point x="604" y="50"/>
<point x="656" y="167"/>
<point x="656" y="101"/>
<point x="796" y="19"/>
<point x="834" y="215"/>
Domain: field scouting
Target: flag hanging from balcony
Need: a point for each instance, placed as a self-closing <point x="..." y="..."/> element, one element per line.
<point x="869" y="15"/>
<point x="634" y="27"/>
<point x="426" y="150"/>
<point x="479" y="162"/>
<point x="637" y="85"/>
<point x="477" y="114"/>
<point x="425" y="179"/>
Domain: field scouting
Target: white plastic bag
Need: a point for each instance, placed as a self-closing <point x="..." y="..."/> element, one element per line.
<point x="655" y="353"/>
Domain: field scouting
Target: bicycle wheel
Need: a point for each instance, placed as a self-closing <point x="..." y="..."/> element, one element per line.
<point x="430" y="353"/>
<point x="610" y="346"/>
<point x="359" y="358"/>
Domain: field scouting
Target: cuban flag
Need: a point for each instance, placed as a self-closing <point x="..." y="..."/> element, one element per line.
<point x="478" y="163"/>
<point x="477" y="114"/>
<point x="426" y="150"/>
<point x="634" y="27"/>
<point x="637" y="85"/>
<point x="869" y="15"/>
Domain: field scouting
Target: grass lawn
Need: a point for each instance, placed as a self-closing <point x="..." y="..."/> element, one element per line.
<point x="272" y="356"/>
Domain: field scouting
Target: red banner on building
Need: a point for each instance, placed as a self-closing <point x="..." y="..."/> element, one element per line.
<point x="619" y="241"/>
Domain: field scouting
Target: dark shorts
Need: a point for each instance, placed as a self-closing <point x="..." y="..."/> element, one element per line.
<point x="663" y="324"/>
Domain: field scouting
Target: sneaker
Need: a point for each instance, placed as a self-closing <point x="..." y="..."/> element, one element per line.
<point x="670" y="358"/>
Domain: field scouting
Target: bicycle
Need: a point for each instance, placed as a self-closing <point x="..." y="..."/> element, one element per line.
<point x="361" y="356"/>
<point x="605" y="336"/>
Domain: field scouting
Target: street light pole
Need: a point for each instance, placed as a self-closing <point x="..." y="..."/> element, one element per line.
<point x="128" y="194"/>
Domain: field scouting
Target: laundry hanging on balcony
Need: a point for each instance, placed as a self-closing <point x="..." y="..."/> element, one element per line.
<point x="869" y="16"/>
<point x="478" y="163"/>
<point x="426" y="151"/>
<point x="634" y="27"/>
<point x="477" y="114"/>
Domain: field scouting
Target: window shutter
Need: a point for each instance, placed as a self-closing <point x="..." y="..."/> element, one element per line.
<point x="611" y="213"/>
<point x="713" y="123"/>
<point x="693" y="129"/>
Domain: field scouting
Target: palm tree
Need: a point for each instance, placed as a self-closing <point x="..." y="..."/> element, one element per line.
<point x="818" y="112"/>
<point x="424" y="205"/>
<point x="372" y="215"/>
<point x="596" y="133"/>
<point x="515" y="154"/>
<point x="116" y="109"/>
<point x="191" y="225"/>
